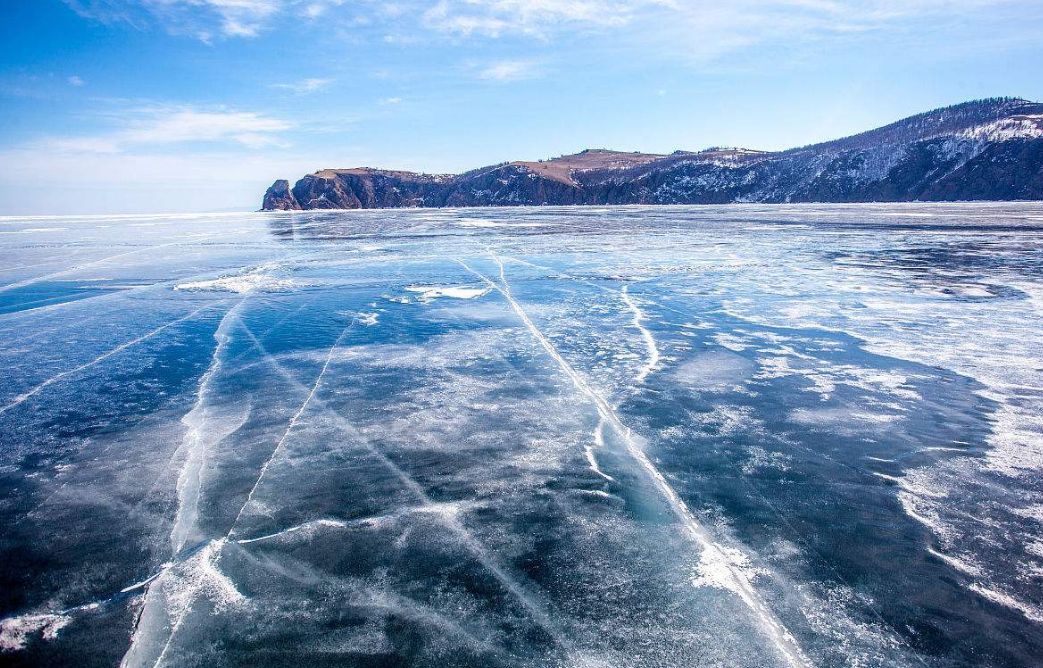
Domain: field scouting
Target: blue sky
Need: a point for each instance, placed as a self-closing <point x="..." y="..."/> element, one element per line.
<point x="114" y="106"/>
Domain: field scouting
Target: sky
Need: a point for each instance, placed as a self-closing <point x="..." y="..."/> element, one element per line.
<point x="130" y="106"/>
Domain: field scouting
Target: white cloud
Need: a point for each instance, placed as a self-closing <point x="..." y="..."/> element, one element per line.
<point x="305" y="85"/>
<point x="233" y="18"/>
<point x="100" y="145"/>
<point x="155" y="126"/>
<point x="75" y="81"/>
<point x="165" y="126"/>
<point x="239" y="18"/>
<point x="700" y="29"/>
<point x="496" y="17"/>
<point x="391" y="100"/>
<point x="317" y="8"/>
<point x="507" y="70"/>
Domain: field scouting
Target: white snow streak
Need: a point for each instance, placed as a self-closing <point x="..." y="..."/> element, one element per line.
<point x="599" y="442"/>
<point x="14" y="631"/>
<point x="72" y="270"/>
<point x="101" y="358"/>
<point x="536" y="609"/>
<point x="431" y="292"/>
<point x="293" y="423"/>
<point x="783" y="640"/>
<point x="653" y="349"/>
<point x="195" y="443"/>
<point x="195" y="440"/>
<point x="307" y="528"/>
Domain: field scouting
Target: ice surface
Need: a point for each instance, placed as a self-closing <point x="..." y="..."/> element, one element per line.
<point x="793" y="435"/>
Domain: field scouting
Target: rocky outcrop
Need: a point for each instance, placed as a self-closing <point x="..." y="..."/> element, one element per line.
<point x="983" y="150"/>
<point x="365" y="188"/>
<point x="279" y="197"/>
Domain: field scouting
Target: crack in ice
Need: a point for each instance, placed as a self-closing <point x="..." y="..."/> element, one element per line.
<point x="653" y="349"/>
<point x="599" y="443"/>
<point x="783" y="640"/>
<point x="64" y="616"/>
<point x="87" y="265"/>
<point x="188" y="490"/>
<point x="21" y="398"/>
<point x="293" y="422"/>
<point x="516" y="588"/>
<point x="183" y="523"/>
<point x="189" y="480"/>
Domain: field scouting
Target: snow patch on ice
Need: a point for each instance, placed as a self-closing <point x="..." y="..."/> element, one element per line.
<point x="15" y="631"/>
<point x="759" y="459"/>
<point x="259" y="280"/>
<point x="715" y="370"/>
<point x="731" y="342"/>
<point x="718" y="566"/>
<point x="301" y="531"/>
<point x="479" y="222"/>
<point x="1032" y="512"/>
<point x="430" y="292"/>
<point x="1030" y="612"/>
<point x="840" y="419"/>
<point x="964" y="567"/>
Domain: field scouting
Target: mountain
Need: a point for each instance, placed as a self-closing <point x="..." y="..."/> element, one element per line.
<point x="982" y="150"/>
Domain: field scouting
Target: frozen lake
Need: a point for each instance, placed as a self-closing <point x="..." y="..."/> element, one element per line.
<point x="677" y="436"/>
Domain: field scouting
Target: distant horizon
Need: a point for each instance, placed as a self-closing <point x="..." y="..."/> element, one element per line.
<point x="246" y="208"/>
<point x="375" y="212"/>
<point x="112" y="106"/>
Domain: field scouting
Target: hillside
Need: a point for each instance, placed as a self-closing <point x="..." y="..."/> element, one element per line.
<point x="981" y="150"/>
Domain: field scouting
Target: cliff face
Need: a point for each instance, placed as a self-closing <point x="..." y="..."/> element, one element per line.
<point x="368" y="189"/>
<point x="984" y="150"/>
<point x="280" y="198"/>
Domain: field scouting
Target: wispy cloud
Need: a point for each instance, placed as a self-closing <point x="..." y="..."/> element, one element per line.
<point x="700" y="29"/>
<point x="108" y="11"/>
<point x="159" y="126"/>
<point x="99" y="144"/>
<point x="241" y="18"/>
<point x="534" y="17"/>
<point x="75" y="81"/>
<point x="201" y="18"/>
<point x="304" y="86"/>
<point x="391" y="100"/>
<point x="165" y="126"/>
<point x="316" y="8"/>
<point x="507" y="70"/>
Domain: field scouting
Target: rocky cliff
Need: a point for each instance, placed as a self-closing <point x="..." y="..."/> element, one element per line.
<point x="983" y="150"/>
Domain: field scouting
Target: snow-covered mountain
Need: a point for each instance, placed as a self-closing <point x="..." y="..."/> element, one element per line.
<point x="982" y="150"/>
